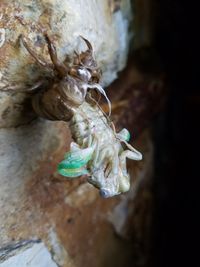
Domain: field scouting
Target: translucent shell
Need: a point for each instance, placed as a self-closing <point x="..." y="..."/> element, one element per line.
<point x="98" y="151"/>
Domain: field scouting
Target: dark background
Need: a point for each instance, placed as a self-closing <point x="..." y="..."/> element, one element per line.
<point x="176" y="134"/>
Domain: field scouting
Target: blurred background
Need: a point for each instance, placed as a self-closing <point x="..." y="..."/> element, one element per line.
<point x="176" y="132"/>
<point x="163" y="73"/>
<point x="165" y="61"/>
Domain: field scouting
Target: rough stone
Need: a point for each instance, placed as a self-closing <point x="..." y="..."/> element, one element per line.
<point x="65" y="21"/>
<point x="77" y="226"/>
<point x="26" y="253"/>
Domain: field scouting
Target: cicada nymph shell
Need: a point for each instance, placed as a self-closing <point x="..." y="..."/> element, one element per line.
<point x="97" y="151"/>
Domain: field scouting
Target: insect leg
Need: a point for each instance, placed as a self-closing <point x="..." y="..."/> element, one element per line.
<point x="33" y="54"/>
<point x="96" y="153"/>
<point x="128" y="154"/>
<point x="90" y="49"/>
<point x="20" y="89"/>
<point x="60" y="67"/>
<point x="101" y="90"/>
<point x="111" y="176"/>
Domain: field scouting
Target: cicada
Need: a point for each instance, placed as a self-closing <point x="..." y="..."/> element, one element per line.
<point x="97" y="150"/>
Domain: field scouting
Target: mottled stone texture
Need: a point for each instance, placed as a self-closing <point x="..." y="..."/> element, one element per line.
<point x="64" y="21"/>
<point x="78" y="227"/>
<point x="30" y="253"/>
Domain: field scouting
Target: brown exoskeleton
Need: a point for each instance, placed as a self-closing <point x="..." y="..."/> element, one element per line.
<point x="97" y="149"/>
<point x="64" y="90"/>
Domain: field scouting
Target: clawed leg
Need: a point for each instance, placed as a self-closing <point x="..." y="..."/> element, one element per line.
<point x="128" y="154"/>
<point x="124" y="179"/>
<point x="111" y="187"/>
<point x="85" y="58"/>
<point x="101" y="156"/>
<point x="40" y="61"/>
<point x="59" y="66"/>
<point x="98" y="87"/>
<point x="98" y="164"/>
<point x="124" y="183"/>
<point x="17" y="88"/>
<point x="90" y="49"/>
<point x="107" y="167"/>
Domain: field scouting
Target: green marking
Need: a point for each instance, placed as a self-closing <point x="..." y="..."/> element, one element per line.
<point x="128" y="137"/>
<point x="74" y="162"/>
<point x="125" y="135"/>
<point x="72" y="173"/>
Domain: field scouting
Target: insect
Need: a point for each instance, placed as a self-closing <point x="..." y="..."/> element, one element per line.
<point x="97" y="151"/>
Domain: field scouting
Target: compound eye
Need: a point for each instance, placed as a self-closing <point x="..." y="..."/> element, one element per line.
<point x="105" y="193"/>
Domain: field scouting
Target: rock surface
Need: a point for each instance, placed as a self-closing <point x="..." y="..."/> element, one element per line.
<point x="26" y="253"/>
<point x="77" y="226"/>
<point x="64" y="21"/>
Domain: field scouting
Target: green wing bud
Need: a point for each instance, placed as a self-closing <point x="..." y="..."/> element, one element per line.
<point x="124" y="135"/>
<point x="72" y="173"/>
<point x="74" y="163"/>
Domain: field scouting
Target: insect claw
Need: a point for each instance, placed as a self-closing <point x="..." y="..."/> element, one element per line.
<point x="59" y="66"/>
<point x="40" y="61"/>
<point x="88" y="44"/>
<point x="101" y="90"/>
